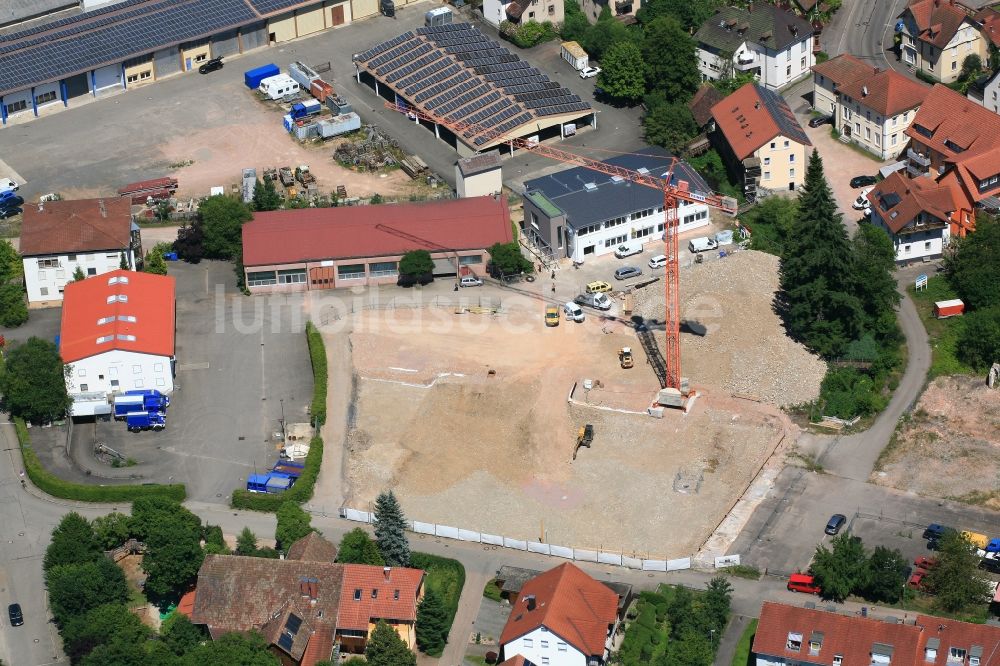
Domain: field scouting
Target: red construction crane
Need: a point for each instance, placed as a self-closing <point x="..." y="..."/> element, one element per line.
<point x="672" y="193"/>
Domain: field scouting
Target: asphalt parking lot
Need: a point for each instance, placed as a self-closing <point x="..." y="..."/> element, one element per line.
<point x="783" y="532"/>
<point x="238" y="359"/>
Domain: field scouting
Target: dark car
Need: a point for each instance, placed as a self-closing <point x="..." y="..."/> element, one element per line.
<point x="862" y="181"/>
<point x="993" y="566"/>
<point x="626" y="272"/>
<point x="937" y="532"/>
<point x="820" y="120"/>
<point x="211" y="65"/>
<point x="12" y="202"/>
<point x="836" y="521"/>
<point x="10" y="212"/>
<point x="14" y="612"/>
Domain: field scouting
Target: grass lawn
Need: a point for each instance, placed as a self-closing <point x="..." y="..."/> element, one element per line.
<point x="943" y="333"/>
<point x="446" y="577"/>
<point x="742" y="655"/>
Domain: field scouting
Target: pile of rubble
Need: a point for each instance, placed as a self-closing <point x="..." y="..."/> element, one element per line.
<point x="745" y="350"/>
<point x="375" y="152"/>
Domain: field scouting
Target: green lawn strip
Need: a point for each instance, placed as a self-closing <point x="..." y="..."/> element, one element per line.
<point x="446" y="577"/>
<point x="943" y="333"/>
<point x="743" y="649"/>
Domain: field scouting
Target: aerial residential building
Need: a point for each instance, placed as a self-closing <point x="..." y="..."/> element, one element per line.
<point x="986" y="91"/>
<point x="916" y="213"/>
<point x="562" y="617"/>
<point x="760" y="140"/>
<point x="522" y="11"/>
<point x="580" y="213"/>
<point x="57" y="237"/>
<point x="874" y="111"/>
<point x="623" y="10"/>
<point x="773" y="44"/>
<point x="937" y="37"/>
<point x="117" y="335"/>
<point x="792" y="634"/>
<point x="835" y="72"/>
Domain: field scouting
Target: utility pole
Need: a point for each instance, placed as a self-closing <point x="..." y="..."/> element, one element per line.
<point x="283" y="437"/>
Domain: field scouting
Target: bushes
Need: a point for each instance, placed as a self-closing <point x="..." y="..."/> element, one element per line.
<point x="528" y="34"/>
<point x="317" y="356"/>
<point x="849" y="392"/>
<point x="302" y="491"/>
<point x="446" y="577"/>
<point x="53" y="485"/>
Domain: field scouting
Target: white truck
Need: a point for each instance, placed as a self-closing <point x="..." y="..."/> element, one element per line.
<point x="628" y="248"/>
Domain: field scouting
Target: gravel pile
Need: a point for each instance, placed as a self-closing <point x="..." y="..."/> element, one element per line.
<point x="746" y="350"/>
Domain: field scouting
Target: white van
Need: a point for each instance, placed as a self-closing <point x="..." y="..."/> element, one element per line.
<point x="573" y="311"/>
<point x="470" y="281"/>
<point x="702" y="244"/>
<point x="628" y="248"/>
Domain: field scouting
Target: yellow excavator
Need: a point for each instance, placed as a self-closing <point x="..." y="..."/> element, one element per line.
<point x="625" y="357"/>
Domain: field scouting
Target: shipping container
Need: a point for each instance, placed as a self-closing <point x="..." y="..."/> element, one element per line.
<point x="304" y="131"/>
<point x="253" y="77"/>
<point x="338" y="125"/>
<point x="951" y="308"/>
<point x="338" y="105"/>
<point x="320" y="89"/>
<point x="303" y="74"/>
<point x="438" y="16"/>
<point x="310" y="107"/>
<point x="572" y="53"/>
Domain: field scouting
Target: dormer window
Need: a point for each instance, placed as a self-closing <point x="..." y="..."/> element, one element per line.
<point x="794" y="642"/>
<point x="120" y="279"/>
<point x="374" y="593"/>
<point x="956" y="654"/>
<point x="838" y="660"/>
<point x="357" y="594"/>
<point x="105" y="320"/>
<point x="118" y="298"/>
<point x="815" y="642"/>
<point x="881" y="653"/>
<point x="951" y="145"/>
<point x="128" y="318"/>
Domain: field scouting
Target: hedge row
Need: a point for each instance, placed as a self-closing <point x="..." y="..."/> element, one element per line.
<point x="302" y="491"/>
<point x="53" y="485"/>
<point x="317" y="355"/>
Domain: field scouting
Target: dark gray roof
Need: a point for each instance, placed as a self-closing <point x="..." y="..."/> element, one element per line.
<point x="115" y="33"/>
<point x="782" y="114"/>
<point x="514" y="578"/>
<point x="470" y="166"/>
<point x="766" y="25"/>
<point x="569" y="190"/>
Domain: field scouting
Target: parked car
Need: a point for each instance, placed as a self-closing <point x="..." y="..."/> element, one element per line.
<point x="916" y="581"/>
<point x="626" y="272"/>
<point x="15" y="615"/>
<point x="659" y="261"/>
<point x="862" y="201"/>
<point x="589" y="72"/>
<point x="470" y="281"/>
<point x="991" y="565"/>
<point x="10" y="212"/>
<point x="803" y="583"/>
<point x="9" y="198"/>
<point x="820" y="120"/>
<point x="936" y="531"/>
<point x="210" y="65"/>
<point x="702" y="244"/>
<point x="862" y="181"/>
<point x="598" y="287"/>
<point x="551" y="315"/>
<point x="925" y="563"/>
<point x="8" y="185"/>
<point x="597" y="301"/>
<point x="835" y="523"/>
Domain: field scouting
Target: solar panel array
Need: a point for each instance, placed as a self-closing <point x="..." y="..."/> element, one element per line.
<point x="457" y="72"/>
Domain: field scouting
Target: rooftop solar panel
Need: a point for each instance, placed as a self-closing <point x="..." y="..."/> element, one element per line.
<point x="285" y="642"/>
<point x="293" y="624"/>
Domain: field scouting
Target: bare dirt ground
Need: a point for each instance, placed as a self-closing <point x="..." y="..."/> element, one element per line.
<point x="493" y="452"/>
<point x="950" y="447"/>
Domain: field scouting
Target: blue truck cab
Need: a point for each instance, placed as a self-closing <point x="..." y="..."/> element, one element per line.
<point x="153" y="398"/>
<point x="272" y="482"/>
<point x="137" y="421"/>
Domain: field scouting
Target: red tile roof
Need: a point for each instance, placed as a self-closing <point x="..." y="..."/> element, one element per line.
<point x="951" y="117"/>
<point x="854" y="638"/>
<point x="936" y="21"/>
<point x="312" y="547"/>
<point x="92" y="323"/>
<point x="386" y="594"/>
<point x="752" y="116"/>
<point x="518" y="660"/>
<point x="312" y="234"/>
<point x="320" y="646"/>
<point x="989" y="19"/>
<point x="186" y="605"/>
<point x="887" y="93"/>
<point x="844" y="69"/>
<point x="76" y="226"/>
<point x="570" y="604"/>
<point x="898" y="200"/>
<point x="701" y="104"/>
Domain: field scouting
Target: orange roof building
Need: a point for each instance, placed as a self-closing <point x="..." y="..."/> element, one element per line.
<point x="916" y="213"/>
<point x="937" y="35"/>
<point x="561" y="617"/>
<point x="117" y="334"/>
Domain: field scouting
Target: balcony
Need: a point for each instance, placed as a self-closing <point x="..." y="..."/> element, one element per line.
<point x="918" y="159"/>
<point x="745" y="62"/>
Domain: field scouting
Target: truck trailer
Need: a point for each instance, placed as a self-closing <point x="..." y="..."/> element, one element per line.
<point x="137" y="421"/>
<point x="153" y="399"/>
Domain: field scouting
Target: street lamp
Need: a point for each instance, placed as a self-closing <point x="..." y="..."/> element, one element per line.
<point x="283" y="437"/>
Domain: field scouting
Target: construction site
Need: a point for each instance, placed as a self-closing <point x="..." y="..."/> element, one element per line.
<point x="487" y="409"/>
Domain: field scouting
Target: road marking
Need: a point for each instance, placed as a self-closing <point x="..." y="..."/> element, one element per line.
<point x="7" y="172"/>
<point x="193" y="366"/>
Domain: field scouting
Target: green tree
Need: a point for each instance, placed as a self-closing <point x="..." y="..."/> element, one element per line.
<point x="78" y="275"/>
<point x="73" y="542"/>
<point x="215" y="542"/>
<point x="180" y="635"/>
<point x="243" y="649"/>
<point x="246" y="543"/>
<point x="293" y="524"/>
<point x="358" y="548"/>
<point x="76" y="588"/>
<point x="118" y="652"/>
<point x="149" y="513"/>
<point x="416" y="263"/>
<point x="733" y="81"/>
<point x="10" y="262"/>
<point x="508" y="260"/>
<point x="575" y="24"/>
<point x="691" y="13"/>
<point x="155" y="263"/>
<point x="173" y="544"/>
<point x="222" y="220"/>
<point x="816" y="295"/>
<point x="972" y="67"/>
<point x="111" y="530"/>
<point x="432" y="623"/>
<point x="671" y="64"/>
<point x="390" y="530"/>
<point x="621" y="76"/>
<point x="265" y="196"/>
<point x="691" y="648"/>
<point x="886" y="576"/>
<point x="13" y="308"/>
<point x="973" y="264"/>
<point x="386" y="648"/>
<point x="670" y="125"/>
<point x="33" y="383"/>
<point x="123" y="262"/>
<point x="874" y="266"/>
<point x="955" y="581"/>
<point x="606" y="33"/>
<point x="190" y="243"/>
<point x="716" y="603"/>
<point x="979" y="338"/>
<point x="842" y="570"/>
<point x="100" y="626"/>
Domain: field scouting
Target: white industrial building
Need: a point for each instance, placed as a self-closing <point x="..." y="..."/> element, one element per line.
<point x="117" y="335"/>
<point x="57" y="237"/>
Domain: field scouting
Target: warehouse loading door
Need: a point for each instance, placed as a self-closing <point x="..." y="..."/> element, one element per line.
<point x="445" y="267"/>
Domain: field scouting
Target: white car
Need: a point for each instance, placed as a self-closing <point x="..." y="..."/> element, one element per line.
<point x="862" y="201"/>
<point x="659" y="261"/>
<point x="589" y="72"/>
<point x="8" y="185"/>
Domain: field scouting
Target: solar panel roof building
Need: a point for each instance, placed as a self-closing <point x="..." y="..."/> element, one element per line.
<point x="457" y="73"/>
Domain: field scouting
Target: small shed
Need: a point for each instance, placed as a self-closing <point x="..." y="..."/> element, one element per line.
<point x="574" y="54"/>
<point x="949" y="308"/>
<point x="479" y="175"/>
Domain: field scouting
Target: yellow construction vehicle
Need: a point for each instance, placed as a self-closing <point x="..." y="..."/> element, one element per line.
<point x="583" y="438"/>
<point x="625" y="357"/>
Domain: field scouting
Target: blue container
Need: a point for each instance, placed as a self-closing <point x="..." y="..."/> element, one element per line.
<point x="170" y="256"/>
<point x="253" y="77"/>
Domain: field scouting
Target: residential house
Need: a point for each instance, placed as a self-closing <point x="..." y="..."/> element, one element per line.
<point x="937" y="36"/>
<point x="562" y="617"/>
<point x="623" y="10"/>
<point x="511" y="579"/>
<point x="916" y="213"/>
<point x="701" y="105"/>
<point x="117" y="334"/>
<point x="580" y="213"/>
<point x="835" y="72"/>
<point x="793" y="634"/>
<point x="985" y="91"/>
<point x="57" y="237"/>
<point x="773" y="44"/>
<point x="522" y="11"/>
<point x="306" y="609"/>
<point x="874" y="111"/>
<point x="988" y="20"/>
<point x="760" y="140"/>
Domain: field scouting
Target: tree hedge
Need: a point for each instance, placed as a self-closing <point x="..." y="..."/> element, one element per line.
<point x="317" y="357"/>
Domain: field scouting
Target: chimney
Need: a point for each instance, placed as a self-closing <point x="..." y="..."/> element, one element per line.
<point x="864" y="91"/>
<point x="531" y="602"/>
<point x="104" y="211"/>
<point x="385" y="572"/>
